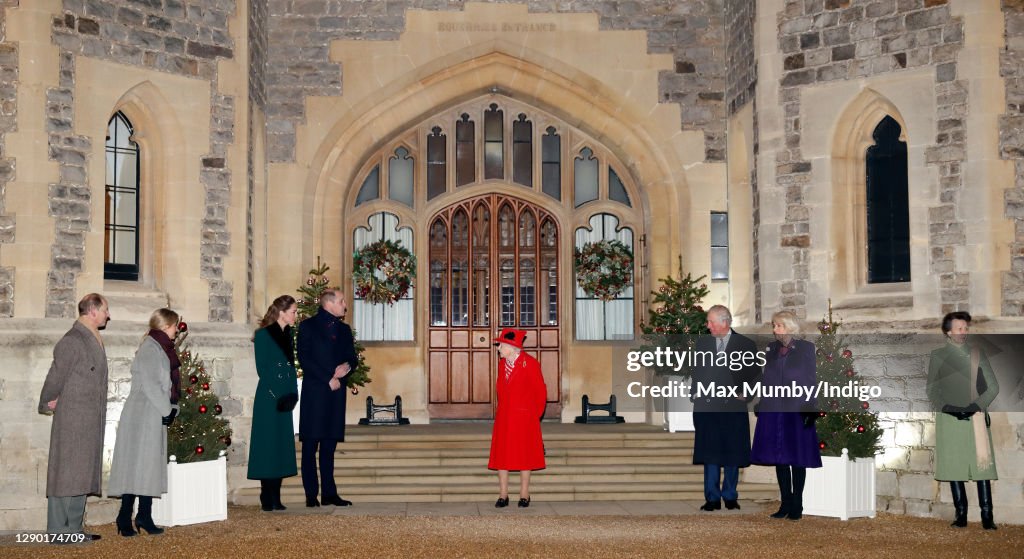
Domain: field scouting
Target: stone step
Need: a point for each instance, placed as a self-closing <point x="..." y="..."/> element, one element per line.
<point x="539" y="490"/>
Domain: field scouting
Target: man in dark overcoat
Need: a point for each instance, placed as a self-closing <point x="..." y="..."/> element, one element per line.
<point x="327" y="355"/>
<point x="720" y="419"/>
<point x="75" y="393"/>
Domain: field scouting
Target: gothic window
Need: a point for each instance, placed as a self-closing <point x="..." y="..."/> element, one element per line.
<point x="438" y="273"/>
<point x="522" y="151"/>
<point x="551" y="163"/>
<point x="585" y="180"/>
<point x="437" y="159"/>
<point x="888" y="210"/>
<point x="400" y="177"/>
<point x="597" y="319"/>
<point x="494" y="143"/>
<point x="371" y="187"/>
<point x="616" y="190"/>
<point x="121" y="202"/>
<point x="383" y="322"/>
<point x="465" y="151"/>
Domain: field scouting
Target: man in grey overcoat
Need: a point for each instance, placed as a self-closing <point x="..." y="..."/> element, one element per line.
<point x="75" y="393"/>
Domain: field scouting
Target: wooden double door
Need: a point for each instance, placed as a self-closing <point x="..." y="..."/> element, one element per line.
<point x="493" y="265"/>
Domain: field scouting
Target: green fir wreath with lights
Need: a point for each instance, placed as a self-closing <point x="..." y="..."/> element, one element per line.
<point x="383" y="272"/>
<point x="604" y="269"/>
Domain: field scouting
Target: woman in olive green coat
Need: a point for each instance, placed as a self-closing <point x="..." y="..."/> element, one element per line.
<point x="272" y="442"/>
<point x="961" y="386"/>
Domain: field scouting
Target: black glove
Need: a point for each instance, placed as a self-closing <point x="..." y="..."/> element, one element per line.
<point x="170" y="417"/>
<point x="809" y="418"/>
<point x="960" y="413"/>
<point x="287" y="402"/>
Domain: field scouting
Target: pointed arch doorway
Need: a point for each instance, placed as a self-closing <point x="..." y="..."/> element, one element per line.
<point x="493" y="262"/>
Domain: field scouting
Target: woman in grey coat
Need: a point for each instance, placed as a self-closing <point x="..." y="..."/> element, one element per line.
<point x="139" y="467"/>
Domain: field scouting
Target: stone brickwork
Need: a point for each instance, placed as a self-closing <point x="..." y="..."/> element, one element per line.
<point x="1011" y="147"/>
<point x="301" y="31"/>
<point x="184" y="37"/>
<point x="259" y="19"/>
<point x="8" y="123"/>
<point x="741" y="74"/>
<point x="827" y="40"/>
<point x="70" y="197"/>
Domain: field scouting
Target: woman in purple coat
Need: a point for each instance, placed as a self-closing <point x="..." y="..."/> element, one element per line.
<point x="785" y="435"/>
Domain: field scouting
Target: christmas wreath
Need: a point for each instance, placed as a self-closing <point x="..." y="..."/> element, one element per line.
<point x="383" y="272"/>
<point x="604" y="269"/>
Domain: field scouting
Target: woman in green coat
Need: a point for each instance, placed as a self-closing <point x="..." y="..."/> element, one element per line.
<point x="961" y="386"/>
<point x="272" y="441"/>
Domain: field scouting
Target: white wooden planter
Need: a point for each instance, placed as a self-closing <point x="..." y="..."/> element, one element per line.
<point x="196" y="492"/>
<point x="678" y="412"/>
<point x="841" y="488"/>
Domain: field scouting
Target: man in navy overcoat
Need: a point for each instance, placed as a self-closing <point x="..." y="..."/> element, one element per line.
<point x="327" y="355"/>
<point x="720" y="419"/>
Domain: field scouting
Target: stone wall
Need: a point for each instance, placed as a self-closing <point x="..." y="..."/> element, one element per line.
<point x="741" y="65"/>
<point x="1011" y="147"/>
<point x="259" y="19"/>
<point x="8" y="123"/>
<point x="301" y="31"/>
<point x="827" y="40"/>
<point x="184" y="37"/>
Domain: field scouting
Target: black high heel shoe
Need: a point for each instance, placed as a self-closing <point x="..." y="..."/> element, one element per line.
<point x="148" y="526"/>
<point x="523" y="503"/>
<point x="502" y="502"/>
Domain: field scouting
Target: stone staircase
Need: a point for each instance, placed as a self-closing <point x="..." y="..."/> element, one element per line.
<point x="448" y="463"/>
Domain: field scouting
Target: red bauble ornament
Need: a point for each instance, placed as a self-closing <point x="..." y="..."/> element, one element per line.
<point x="822" y="414"/>
<point x="217" y="409"/>
<point x="186" y="354"/>
<point x="182" y="327"/>
<point x="310" y="281"/>
<point x="226" y="441"/>
<point x="206" y="386"/>
<point x="830" y="358"/>
<point x="850" y="373"/>
<point x="188" y="391"/>
<point x="202" y="409"/>
<point x="200" y="449"/>
<point x="355" y="390"/>
<point x="821" y="445"/>
<point x="860" y="428"/>
<point x="865" y="405"/>
<point x="193" y="379"/>
<point x="847" y="353"/>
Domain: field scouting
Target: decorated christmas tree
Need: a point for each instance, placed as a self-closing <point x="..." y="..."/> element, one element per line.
<point x="309" y="304"/>
<point x="677" y="318"/>
<point x="843" y="422"/>
<point x="199" y="432"/>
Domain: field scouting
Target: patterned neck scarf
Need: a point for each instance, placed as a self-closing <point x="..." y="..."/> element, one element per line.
<point x="509" y="366"/>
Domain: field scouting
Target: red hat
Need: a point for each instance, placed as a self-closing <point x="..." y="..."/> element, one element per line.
<point x="512" y="337"/>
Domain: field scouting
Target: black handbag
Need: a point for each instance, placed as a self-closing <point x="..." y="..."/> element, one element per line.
<point x="287" y="402"/>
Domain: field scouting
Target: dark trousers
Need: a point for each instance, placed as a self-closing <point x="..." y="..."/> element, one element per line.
<point x="791" y="487"/>
<point x="712" y="491"/>
<point x="309" y="466"/>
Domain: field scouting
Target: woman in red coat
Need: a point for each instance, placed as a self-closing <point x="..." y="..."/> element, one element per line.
<point x="516" y="442"/>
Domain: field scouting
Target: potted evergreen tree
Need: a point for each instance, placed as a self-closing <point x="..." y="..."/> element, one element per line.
<point x="197" y="441"/>
<point x="848" y="435"/>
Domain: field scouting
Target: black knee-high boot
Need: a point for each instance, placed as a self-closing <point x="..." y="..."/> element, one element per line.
<point x="144" y="520"/>
<point x="985" y="504"/>
<point x="785" y="490"/>
<point x="266" y="495"/>
<point x="277" y="496"/>
<point x="796" y="509"/>
<point x="956" y="488"/>
<point x="124" y="516"/>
